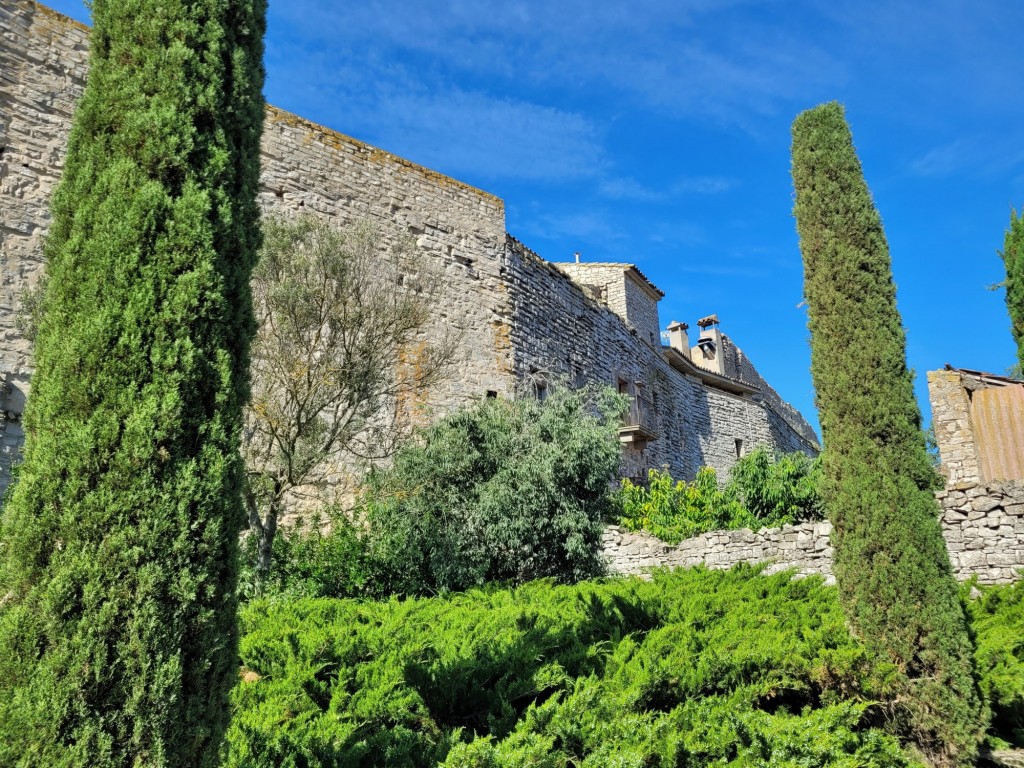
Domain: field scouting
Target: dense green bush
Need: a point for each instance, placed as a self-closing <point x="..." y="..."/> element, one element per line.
<point x="777" y="489"/>
<point x="510" y="490"/>
<point x="693" y="668"/>
<point x="119" y="545"/>
<point x="322" y="556"/>
<point x="891" y="563"/>
<point x="677" y="510"/>
<point x="764" y="490"/>
<point x="997" y="618"/>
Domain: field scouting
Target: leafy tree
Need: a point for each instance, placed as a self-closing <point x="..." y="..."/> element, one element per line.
<point x="763" y="490"/>
<point x="891" y="563"/>
<point x="118" y="638"/>
<point x="777" y="489"/>
<point x="339" y="361"/>
<point x="1013" y="259"/>
<point x="677" y="510"/>
<point x="510" y="490"/>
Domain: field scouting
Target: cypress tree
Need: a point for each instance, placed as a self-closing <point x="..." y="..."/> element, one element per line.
<point x="891" y="564"/>
<point x="118" y="637"/>
<point x="1013" y="259"/>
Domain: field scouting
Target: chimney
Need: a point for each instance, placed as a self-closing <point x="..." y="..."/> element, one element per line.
<point x="708" y="352"/>
<point x="678" y="339"/>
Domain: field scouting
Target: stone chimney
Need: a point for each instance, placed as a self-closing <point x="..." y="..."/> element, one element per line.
<point x="678" y="338"/>
<point x="708" y="353"/>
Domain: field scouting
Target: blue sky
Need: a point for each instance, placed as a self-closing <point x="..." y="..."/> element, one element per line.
<point x="658" y="133"/>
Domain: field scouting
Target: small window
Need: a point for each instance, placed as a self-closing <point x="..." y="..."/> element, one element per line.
<point x="739" y="448"/>
<point x="492" y="394"/>
<point x="623" y="387"/>
<point x="541" y="388"/>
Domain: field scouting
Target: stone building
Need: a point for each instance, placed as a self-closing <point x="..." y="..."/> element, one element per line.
<point x="978" y="420"/>
<point x="518" y="317"/>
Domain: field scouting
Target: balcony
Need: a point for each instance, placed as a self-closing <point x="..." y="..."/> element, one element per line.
<point x="639" y="424"/>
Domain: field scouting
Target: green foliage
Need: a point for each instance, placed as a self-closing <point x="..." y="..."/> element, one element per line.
<point x="118" y="629"/>
<point x="693" y="668"/>
<point x="763" y="491"/>
<point x="777" y="490"/>
<point x="891" y="563"/>
<point x="510" y="490"/>
<point x="324" y="556"/>
<point x="674" y="511"/>
<point x="997" y="617"/>
<point x="1013" y="260"/>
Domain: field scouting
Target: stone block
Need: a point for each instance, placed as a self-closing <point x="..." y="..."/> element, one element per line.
<point x="972" y="559"/>
<point x="985" y="503"/>
<point x="1007" y="559"/>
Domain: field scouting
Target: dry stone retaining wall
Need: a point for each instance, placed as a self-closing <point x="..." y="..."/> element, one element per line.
<point x="804" y="547"/>
<point x="983" y="526"/>
<point x="984" y="529"/>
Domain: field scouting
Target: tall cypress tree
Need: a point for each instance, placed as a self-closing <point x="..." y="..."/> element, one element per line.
<point x="118" y="638"/>
<point x="891" y="564"/>
<point x="1013" y="259"/>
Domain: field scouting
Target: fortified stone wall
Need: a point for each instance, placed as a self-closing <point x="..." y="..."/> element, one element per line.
<point x="514" y="315"/>
<point x="459" y="233"/>
<point x="983" y="527"/>
<point x="305" y="169"/>
<point x="789" y="429"/>
<point x="627" y="293"/>
<point x="557" y="327"/>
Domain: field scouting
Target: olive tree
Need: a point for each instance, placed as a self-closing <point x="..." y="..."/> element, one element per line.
<point x="340" y="364"/>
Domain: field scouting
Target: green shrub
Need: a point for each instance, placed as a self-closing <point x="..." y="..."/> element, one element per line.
<point x="693" y="668"/>
<point x="777" y="489"/>
<point x="674" y="511"/>
<point x="323" y="556"/>
<point x="510" y="490"/>
<point x="997" y="618"/>
<point x="763" y="491"/>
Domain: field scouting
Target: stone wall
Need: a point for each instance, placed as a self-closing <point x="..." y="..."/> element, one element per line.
<point x="559" y="328"/>
<point x="789" y="429"/>
<point x="514" y="315"/>
<point x="459" y="233"/>
<point x="951" y="421"/>
<point x="804" y="548"/>
<point x="305" y="169"/>
<point x="983" y="526"/>
<point x="984" y="529"/>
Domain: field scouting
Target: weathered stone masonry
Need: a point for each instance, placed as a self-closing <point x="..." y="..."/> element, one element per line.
<point x="517" y="317"/>
<point x="983" y="527"/>
<point x="979" y="428"/>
